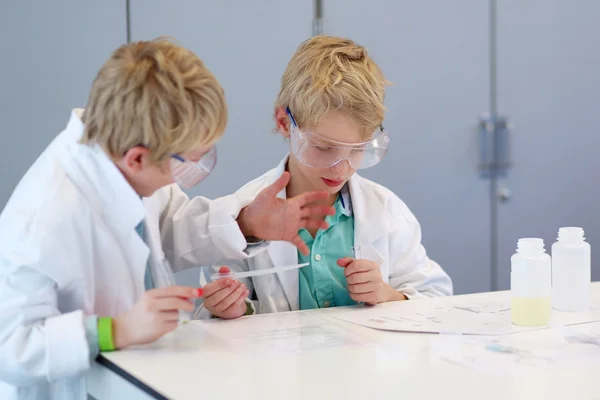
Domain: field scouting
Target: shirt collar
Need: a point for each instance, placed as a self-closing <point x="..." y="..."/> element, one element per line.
<point x="346" y="200"/>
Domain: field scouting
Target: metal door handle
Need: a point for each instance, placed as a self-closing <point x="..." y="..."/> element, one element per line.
<point x="494" y="146"/>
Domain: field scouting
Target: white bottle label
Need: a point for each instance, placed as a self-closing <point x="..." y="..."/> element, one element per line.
<point x="571" y="275"/>
<point x="531" y="278"/>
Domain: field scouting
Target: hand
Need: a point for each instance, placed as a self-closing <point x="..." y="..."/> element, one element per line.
<point x="365" y="282"/>
<point x="226" y="298"/>
<point x="271" y="218"/>
<point x="156" y="314"/>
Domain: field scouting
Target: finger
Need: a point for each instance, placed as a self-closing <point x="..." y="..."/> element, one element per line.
<point x="364" y="297"/>
<point x="311" y="223"/>
<point x="361" y="288"/>
<point x="300" y="244"/>
<point x="240" y="303"/>
<point x="217" y="285"/>
<point x="176" y="291"/>
<point x="311" y="197"/>
<point x="229" y="303"/>
<point x="361" y="277"/>
<point x="170" y="316"/>
<point x="277" y="186"/>
<point x="344" y="262"/>
<point x="213" y="300"/>
<point x="172" y="303"/>
<point x="358" y="266"/>
<point x="230" y="299"/>
<point x="168" y="326"/>
<point x="316" y="209"/>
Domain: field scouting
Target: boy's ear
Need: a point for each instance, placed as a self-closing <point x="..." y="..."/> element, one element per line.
<point x="135" y="159"/>
<point x="282" y="121"/>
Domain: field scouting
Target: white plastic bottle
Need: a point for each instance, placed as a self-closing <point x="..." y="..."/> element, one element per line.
<point x="531" y="284"/>
<point x="571" y="271"/>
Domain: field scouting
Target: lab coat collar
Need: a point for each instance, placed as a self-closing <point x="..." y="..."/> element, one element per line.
<point x="284" y="253"/>
<point x="96" y="175"/>
<point x="346" y="200"/>
<point x="371" y="215"/>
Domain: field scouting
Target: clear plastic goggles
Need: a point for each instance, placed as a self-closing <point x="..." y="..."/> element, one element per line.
<point x="187" y="173"/>
<point x="318" y="152"/>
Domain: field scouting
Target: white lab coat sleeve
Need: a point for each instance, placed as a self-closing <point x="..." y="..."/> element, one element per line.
<point x="37" y="343"/>
<point x="200" y="231"/>
<point x="412" y="272"/>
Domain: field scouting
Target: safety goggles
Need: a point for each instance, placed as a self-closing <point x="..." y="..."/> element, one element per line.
<point x="318" y="152"/>
<point x="187" y="173"/>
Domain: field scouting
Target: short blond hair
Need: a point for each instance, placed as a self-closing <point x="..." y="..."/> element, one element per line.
<point x="155" y="94"/>
<point x="329" y="73"/>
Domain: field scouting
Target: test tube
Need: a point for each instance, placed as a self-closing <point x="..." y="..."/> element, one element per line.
<point x="357" y="256"/>
<point x="167" y="278"/>
<point x="356" y="251"/>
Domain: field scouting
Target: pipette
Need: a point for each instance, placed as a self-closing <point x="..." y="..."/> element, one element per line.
<point x="356" y="251"/>
<point x="248" y="274"/>
<point x="357" y="256"/>
<point x="165" y="275"/>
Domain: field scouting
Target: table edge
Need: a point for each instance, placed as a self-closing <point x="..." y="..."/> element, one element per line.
<point x="105" y="362"/>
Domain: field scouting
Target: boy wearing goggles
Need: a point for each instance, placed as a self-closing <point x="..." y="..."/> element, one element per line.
<point x="330" y="107"/>
<point x="86" y="236"/>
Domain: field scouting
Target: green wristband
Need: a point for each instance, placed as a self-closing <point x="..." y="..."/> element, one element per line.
<point x="105" y="334"/>
<point x="249" y="308"/>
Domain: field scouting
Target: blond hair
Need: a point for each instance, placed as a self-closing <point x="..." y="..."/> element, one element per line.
<point x="329" y="73"/>
<point x="154" y="94"/>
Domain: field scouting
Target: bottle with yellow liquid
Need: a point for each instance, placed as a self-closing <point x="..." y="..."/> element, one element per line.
<point x="531" y="284"/>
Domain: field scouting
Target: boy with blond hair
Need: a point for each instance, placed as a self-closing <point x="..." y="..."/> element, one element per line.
<point x="330" y="107"/>
<point x="88" y="234"/>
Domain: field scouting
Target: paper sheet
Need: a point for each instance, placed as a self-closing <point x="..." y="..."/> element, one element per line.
<point x="504" y="354"/>
<point x="475" y="315"/>
<point x="491" y="356"/>
<point x="282" y="332"/>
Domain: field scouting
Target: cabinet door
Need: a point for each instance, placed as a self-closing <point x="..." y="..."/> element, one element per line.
<point x="436" y="53"/>
<point x="549" y="88"/>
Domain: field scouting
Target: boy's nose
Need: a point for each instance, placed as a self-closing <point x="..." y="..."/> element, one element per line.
<point x="341" y="167"/>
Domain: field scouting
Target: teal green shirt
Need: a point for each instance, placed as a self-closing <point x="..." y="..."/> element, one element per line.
<point x="322" y="283"/>
<point x="148" y="281"/>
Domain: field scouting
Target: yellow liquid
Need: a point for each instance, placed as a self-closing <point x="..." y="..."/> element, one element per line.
<point x="531" y="311"/>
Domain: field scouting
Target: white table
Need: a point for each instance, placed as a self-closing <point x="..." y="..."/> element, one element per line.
<point x="188" y="365"/>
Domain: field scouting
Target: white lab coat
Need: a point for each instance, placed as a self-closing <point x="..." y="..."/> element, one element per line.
<point x="384" y="228"/>
<point x="68" y="248"/>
